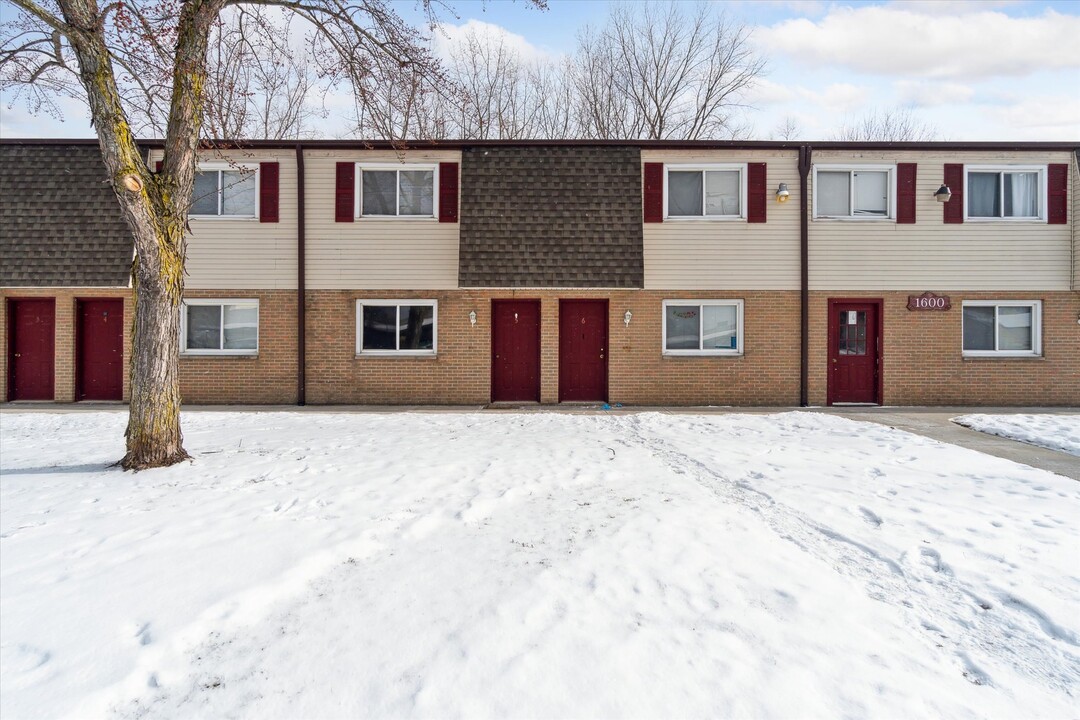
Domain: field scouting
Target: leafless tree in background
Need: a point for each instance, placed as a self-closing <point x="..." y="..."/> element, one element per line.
<point x="890" y="125"/>
<point x="788" y="129"/>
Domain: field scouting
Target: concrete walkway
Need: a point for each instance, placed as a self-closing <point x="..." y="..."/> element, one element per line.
<point x="931" y="422"/>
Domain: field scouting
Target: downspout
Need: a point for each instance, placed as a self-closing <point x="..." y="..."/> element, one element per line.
<point x="301" y="289"/>
<point x="804" y="274"/>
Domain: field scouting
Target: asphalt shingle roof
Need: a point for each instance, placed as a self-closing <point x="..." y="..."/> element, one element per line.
<point x="60" y="224"/>
<point x="551" y="217"/>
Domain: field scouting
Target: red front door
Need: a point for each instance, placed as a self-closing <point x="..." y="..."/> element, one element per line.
<point x="854" y="351"/>
<point x="31" y="358"/>
<point x="99" y="357"/>
<point x="583" y="336"/>
<point x="515" y="350"/>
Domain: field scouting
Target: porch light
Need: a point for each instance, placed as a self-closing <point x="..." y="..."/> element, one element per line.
<point x="943" y="193"/>
<point x="472" y="317"/>
<point x="627" y="317"/>
<point x="782" y="193"/>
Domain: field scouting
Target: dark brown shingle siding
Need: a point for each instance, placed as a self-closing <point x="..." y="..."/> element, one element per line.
<point x="60" y="224"/>
<point x="551" y="217"/>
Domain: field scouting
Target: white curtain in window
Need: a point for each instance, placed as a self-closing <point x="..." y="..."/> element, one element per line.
<point x="1022" y="194"/>
<point x="1014" y="328"/>
<point x="722" y="192"/>
<point x="983" y="194"/>
<point x="871" y="193"/>
<point x="833" y="194"/>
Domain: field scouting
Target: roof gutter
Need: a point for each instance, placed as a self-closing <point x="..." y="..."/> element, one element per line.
<point x="805" y="158"/>
<point x="301" y="286"/>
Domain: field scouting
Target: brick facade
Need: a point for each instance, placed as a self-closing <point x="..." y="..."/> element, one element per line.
<point x="923" y="364"/>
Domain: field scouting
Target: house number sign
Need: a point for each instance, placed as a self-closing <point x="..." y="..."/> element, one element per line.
<point x="928" y="301"/>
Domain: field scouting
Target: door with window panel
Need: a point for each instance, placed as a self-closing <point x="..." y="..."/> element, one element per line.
<point x="854" y="352"/>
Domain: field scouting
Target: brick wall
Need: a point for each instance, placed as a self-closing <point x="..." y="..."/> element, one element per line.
<point x="638" y="374"/>
<point x="922" y="358"/>
<point x="268" y="378"/>
<point x="64" y="370"/>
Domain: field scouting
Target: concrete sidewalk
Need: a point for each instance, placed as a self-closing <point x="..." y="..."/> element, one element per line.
<point x="931" y="422"/>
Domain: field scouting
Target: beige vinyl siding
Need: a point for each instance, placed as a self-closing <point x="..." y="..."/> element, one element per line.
<point x="703" y="254"/>
<point x="419" y="254"/>
<point x="930" y="255"/>
<point x="245" y="253"/>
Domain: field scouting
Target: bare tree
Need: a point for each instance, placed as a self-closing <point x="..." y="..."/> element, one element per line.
<point x="890" y="125"/>
<point x="788" y="129"/>
<point x="135" y="62"/>
<point x="678" y="70"/>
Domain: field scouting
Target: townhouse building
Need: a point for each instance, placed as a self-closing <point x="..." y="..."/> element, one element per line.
<point x="639" y="272"/>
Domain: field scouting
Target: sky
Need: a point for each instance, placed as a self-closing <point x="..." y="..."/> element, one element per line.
<point x="993" y="70"/>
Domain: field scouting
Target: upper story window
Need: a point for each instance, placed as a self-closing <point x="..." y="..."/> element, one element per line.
<point x="219" y="327"/>
<point x="1002" y="328"/>
<point x="1005" y="193"/>
<point x="864" y="191"/>
<point x="703" y="327"/>
<point x="706" y="191"/>
<point x="397" y="191"/>
<point x="223" y="190"/>
<point x="396" y="327"/>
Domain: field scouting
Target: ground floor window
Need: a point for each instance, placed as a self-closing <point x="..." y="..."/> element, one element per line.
<point x="220" y="327"/>
<point x="703" y="327"/>
<point x="396" y="327"/>
<point x="1002" y="328"/>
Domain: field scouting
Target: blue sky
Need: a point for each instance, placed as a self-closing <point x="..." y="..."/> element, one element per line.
<point x="995" y="70"/>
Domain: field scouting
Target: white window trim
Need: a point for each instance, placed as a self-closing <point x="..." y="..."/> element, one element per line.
<point x="360" y="303"/>
<point x="219" y="166"/>
<point x="890" y="183"/>
<point x="740" y="346"/>
<point x="1036" y="328"/>
<point x="729" y="167"/>
<point x="358" y="194"/>
<point x="215" y="301"/>
<point x="1043" y="193"/>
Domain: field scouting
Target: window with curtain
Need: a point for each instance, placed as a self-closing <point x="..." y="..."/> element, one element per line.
<point x="222" y="192"/>
<point x="852" y="193"/>
<point x="397" y="192"/>
<point x="702" y="327"/>
<point x="704" y="192"/>
<point x="1006" y="327"/>
<point x="227" y="327"/>
<point x="404" y="327"/>
<point x="995" y="193"/>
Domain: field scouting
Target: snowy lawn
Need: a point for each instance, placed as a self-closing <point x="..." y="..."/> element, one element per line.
<point x="536" y="565"/>
<point x="1057" y="432"/>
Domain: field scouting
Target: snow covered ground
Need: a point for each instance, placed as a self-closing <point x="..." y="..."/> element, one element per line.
<point x="1057" y="432"/>
<point x="532" y="565"/>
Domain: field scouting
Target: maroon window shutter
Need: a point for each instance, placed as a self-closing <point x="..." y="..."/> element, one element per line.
<point x="653" y="210"/>
<point x="268" y="192"/>
<point x="345" y="193"/>
<point x="756" y="193"/>
<point x="157" y="167"/>
<point x="448" y="192"/>
<point x="1057" y="199"/>
<point x="905" y="193"/>
<point x="954" y="178"/>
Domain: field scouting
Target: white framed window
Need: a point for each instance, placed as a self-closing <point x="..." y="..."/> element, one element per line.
<point x="1015" y="192"/>
<point x="855" y="192"/>
<point x="703" y="327"/>
<point x="716" y="192"/>
<point x="1002" y="328"/>
<point x="397" y="327"/>
<point x="223" y="190"/>
<point x="219" y="327"/>
<point x="394" y="190"/>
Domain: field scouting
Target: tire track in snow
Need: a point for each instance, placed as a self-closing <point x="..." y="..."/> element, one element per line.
<point x="929" y="601"/>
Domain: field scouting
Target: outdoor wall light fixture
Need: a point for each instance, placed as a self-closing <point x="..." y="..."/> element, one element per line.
<point x="943" y="193"/>
<point x="472" y="317"/>
<point x="782" y="193"/>
<point x="627" y="317"/>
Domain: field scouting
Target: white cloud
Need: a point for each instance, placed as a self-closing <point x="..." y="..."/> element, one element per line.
<point x="1042" y="117"/>
<point x="925" y="93"/>
<point x="921" y="42"/>
<point x="447" y="35"/>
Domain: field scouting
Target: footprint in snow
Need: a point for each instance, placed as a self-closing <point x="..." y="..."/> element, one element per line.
<point x="871" y="517"/>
